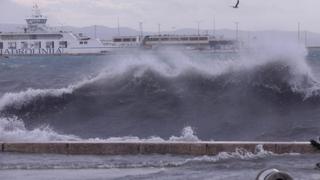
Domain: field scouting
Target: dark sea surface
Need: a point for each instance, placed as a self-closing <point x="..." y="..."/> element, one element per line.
<point x="157" y="96"/>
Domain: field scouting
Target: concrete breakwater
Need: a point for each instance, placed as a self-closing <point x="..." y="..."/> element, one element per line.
<point x="174" y="148"/>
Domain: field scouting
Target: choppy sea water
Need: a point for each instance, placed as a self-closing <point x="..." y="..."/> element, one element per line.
<point x="225" y="166"/>
<point x="267" y="94"/>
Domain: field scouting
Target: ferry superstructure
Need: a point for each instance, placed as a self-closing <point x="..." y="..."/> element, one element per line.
<point x="38" y="39"/>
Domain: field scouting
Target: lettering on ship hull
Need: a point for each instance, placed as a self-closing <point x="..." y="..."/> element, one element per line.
<point x="42" y="51"/>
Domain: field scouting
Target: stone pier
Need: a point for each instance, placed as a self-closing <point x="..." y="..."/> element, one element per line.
<point x="145" y="148"/>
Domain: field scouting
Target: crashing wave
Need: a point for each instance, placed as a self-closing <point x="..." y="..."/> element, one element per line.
<point x="23" y="98"/>
<point x="174" y="89"/>
<point x="176" y="66"/>
<point x="187" y="135"/>
<point x="14" y="130"/>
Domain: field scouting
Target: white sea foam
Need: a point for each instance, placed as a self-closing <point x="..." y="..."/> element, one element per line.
<point x="126" y="139"/>
<point x="239" y="153"/>
<point x="21" y="98"/>
<point x="187" y="135"/>
<point x="293" y="55"/>
<point x="14" y="130"/>
<point x="172" y="64"/>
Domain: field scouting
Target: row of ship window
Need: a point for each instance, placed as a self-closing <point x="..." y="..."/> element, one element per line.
<point x="35" y="45"/>
<point x="180" y="39"/>
<point x="163" y="39"/>
<point x="125" y="40"/>
<point x="83" y="42"/>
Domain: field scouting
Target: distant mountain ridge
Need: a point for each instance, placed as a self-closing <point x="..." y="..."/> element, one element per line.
<point x="103" y="32"/>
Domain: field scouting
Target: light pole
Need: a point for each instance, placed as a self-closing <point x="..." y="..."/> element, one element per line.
<point x="306" y="38"/>
<point x="237" y="30"/>
<point x="141" y="28"/>
<point x="173" y="30"/>
<point x="299" y="25"/>
<point x="159" y="29"/>
<point x="214" y="26"/>
<point x="118" y="25"/>
<point x="198" y="27"/>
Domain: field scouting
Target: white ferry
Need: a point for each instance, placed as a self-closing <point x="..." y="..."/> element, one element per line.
<point x="38" y="39"/>
<point x="191" y="42"/>
<point x="184" y="42"/>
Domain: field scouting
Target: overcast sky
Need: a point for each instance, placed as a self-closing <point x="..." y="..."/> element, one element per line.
<point x="171" y="14"/>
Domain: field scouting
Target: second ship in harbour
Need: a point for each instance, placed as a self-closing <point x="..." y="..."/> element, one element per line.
<point x="174" y="42"/>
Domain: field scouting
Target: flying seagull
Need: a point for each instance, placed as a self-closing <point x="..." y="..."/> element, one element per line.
<point x="236" y="6"/>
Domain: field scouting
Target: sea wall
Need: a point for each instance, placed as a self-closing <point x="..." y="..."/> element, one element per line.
<point x="174" y="148"/>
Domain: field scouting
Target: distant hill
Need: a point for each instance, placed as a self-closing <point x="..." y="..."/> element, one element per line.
<point x="10" y="27"/>
<point x="103" y="32"/>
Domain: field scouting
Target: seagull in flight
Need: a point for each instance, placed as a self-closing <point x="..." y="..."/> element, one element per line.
<point x="236" y="6"/>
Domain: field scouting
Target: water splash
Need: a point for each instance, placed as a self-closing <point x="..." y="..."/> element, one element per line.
<point x="14" y="130"/>
<point x="187" y="135"/>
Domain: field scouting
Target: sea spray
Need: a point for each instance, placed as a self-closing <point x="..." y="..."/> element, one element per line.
<point x="156" y="94"/>
<point x="187" y="135"/>
<point x="14" y="130"/>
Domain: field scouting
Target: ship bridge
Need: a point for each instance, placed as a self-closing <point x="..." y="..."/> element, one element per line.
<point x="37" y="22"/>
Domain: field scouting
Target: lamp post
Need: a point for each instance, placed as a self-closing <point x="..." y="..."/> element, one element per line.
<point x="159" y="29"/>
<point x="198" y="27"/>
<point x="237" y="30"/>
<point x="299" y="32"/>
<point x="118" y="25"/>
<point x="141" y="28"/>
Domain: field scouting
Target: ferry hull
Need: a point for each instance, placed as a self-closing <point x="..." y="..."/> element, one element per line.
<point x="53" y="52"/>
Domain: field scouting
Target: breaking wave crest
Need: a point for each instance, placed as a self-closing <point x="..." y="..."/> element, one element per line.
<point x="158" y="94"/>
<point x="14" y="130"/>
<point x="20" y="99"/>
<point x="288" y="69"/>
<point x="187" y="135"/>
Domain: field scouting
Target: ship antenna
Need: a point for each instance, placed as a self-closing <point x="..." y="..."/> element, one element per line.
<point x="36" y="10"/>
